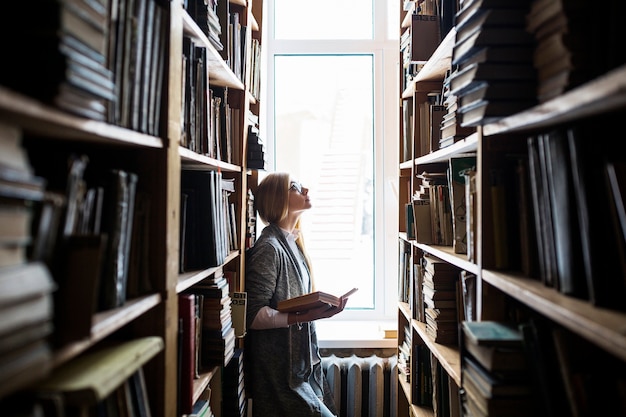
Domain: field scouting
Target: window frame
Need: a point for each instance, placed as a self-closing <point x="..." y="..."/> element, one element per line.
<point x="384" y="49"/>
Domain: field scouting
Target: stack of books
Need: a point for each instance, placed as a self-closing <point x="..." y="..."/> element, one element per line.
<point x="26" y="287"/>
<point x="493" y="52"/>
<point x="439" y="288"/>
<point x="256" y="148"/>
<point x="217" y="344"/>
<point x="451" y="129"/>
<point x="75" y="38"/>
<point x="563" y="60"/>
<point x="233" y="387"/>
<point x="494" y="373"/>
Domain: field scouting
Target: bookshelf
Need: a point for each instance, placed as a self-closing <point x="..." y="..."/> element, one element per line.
<point x="41" y="131"/>
<point x="509" y="287"/>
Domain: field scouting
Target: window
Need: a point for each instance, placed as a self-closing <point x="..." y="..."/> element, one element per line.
<point x="332" y="123"/>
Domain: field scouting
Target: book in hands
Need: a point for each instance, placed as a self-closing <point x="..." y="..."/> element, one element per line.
<point x="312" y="300"/>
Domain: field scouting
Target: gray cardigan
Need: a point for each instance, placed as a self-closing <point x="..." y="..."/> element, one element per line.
<point x="278" y="361"/>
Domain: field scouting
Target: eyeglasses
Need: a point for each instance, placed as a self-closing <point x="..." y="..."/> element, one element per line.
<point x="296" y="186"/>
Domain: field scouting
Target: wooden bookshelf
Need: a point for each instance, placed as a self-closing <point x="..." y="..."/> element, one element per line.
<point x="503" y="291"/>
<point x="50" y="133"/>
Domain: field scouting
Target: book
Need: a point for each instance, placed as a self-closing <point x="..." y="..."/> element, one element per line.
<point x="492" y="333"/>
<point x="79" y="273"/>
<point x="483" y="111"/>
<point x="470" y="76"/>
<point x="425" y="36"/>
<point x="312" y="300"/>
<point x="422" y="221"/>
<point x="491" y="386"/>
<point x="117" y="222"/>
<point x="23" y="282"/>
<point x="601" y="257"/>
<point x="92" y="377"/>
<point x="187" y="365"/>
<point x="568" y="247"/>
<point x="483" y="18"/>
<point x="489" y="36"/>
<point x="239" y="300"/>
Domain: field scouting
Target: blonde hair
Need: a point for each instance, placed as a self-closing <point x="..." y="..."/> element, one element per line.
<point x="271" y="200"/>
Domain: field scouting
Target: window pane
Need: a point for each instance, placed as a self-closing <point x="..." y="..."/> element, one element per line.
<point x="323" y="19"/>
<point x="324" y="138"/>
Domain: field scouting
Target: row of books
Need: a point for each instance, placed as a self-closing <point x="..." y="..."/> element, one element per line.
<point x="82" y="224"/>
<point x="206" y="334"/>
<point x="441" y="210"/>
<point x="578" y="214"/>
<point x="494" y="76"/>
<point x="209" y="124"/>
<point x="535" y="368"/>
<point x="98" y="58"/>
<point x="564" y="60"/>
<point x="211" y="17"/>
<point x="208" y="220"/>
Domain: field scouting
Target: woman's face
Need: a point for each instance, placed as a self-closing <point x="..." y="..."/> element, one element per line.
<point x="298" y="197"/>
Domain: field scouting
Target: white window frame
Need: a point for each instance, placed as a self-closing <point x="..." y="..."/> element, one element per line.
<point x="386" y="133"/>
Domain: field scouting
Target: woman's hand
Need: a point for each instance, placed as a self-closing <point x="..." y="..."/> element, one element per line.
<point x="323" y="312"/>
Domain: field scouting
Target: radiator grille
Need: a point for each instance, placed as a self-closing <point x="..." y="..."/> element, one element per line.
<point x="363" y="387"/>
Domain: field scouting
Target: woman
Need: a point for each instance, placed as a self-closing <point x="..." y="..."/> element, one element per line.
<point x="283" y="361"/>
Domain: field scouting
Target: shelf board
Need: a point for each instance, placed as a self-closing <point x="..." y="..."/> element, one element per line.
<point x="604" y="327"/>
<point x="449" y="356"/>
<point x="406" y="20"/>
<point x="446" y="253"/>
<point x="193" y="161"/>
<point x="465" y="145"/>
<point x="105" y="323"/>
<point x="436" y="67"/>
<point x="418" y="411"/>
<point x="35" y="117"/>
<point x="201" y="383"/>
<point x="189" y="279"/>
<point x="606" y="93"/>
<point x="220" y="73"/>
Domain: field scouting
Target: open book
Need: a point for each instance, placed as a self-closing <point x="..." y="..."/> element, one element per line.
<point x="311" y="300"/>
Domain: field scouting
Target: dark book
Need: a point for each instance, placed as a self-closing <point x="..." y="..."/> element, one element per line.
<point x="543" y="367"/>
<point x="542" y="213"/>
<point x="499" y="91"/>
<point x="568" y="247"/>
<point x="312" y="300"/>
<point x="187" y="366"/>
<point x="79" y="275"/>
<point x="117" y="222"/>
<point x="472" y="75"/>
<point x="490" y="36"/>
<point x="486" y="17"/>
<point x="203" y="249"/>
<point x="425" y="36"/>
<point x="469" y="7"/>
<point x="601" y="256"/>
<point x="484" y="111"/>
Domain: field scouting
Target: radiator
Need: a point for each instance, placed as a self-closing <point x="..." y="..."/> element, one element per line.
<point x="363" y="387"/>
